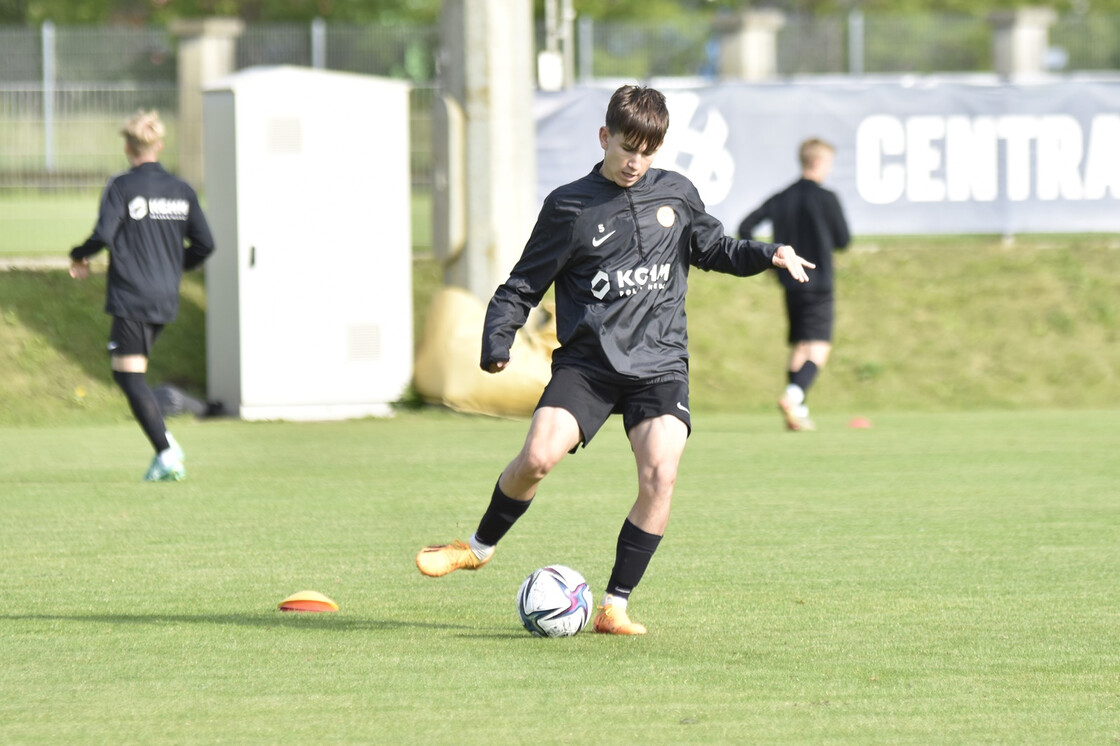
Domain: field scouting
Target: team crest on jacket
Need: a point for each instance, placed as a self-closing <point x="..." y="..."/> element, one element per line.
<point x="666" y="216"/>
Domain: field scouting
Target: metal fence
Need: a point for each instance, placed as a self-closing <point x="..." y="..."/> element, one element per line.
<point x="851" y="43"/>
<point x="643" y="50"/>
<point x="65" y="91"/>
<point x="1086" y="42"/>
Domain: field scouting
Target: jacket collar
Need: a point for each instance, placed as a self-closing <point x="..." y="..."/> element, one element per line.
<point x="640" y="186"/>
<point x="148" y="166"/>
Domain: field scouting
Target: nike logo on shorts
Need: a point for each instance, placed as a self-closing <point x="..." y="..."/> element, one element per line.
<point x="683" y="408"/>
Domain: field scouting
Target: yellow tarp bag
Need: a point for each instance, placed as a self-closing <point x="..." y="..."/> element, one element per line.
<point x="447" y="370"/>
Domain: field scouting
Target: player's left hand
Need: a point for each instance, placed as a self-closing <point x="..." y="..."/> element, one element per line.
<point x="786" y="258"/>
<point x="79" y="270"/>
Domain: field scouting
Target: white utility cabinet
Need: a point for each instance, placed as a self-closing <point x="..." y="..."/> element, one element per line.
<point x="309" y="294"/>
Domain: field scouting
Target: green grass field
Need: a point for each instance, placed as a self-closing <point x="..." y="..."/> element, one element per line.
<point x="938" y="578"/>
<point x="947" y="576"/>
<point x="34" y="225"/>
<point x="50" y="222"/>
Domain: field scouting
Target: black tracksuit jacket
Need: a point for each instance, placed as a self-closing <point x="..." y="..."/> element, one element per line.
<point x="145" y="215"/>
<point x="619" y="259"/>
<point x="808" y="217"/>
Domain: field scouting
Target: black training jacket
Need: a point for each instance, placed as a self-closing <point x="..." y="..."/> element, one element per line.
<point x="619" y="259"/>
<point x="808" y="217"/>
<point x="146" y="213"/>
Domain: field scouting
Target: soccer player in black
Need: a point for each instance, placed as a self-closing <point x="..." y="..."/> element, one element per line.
<point x="617" y="246"/>
<point x="154" y="229"/>
<point x="808" y="216"/>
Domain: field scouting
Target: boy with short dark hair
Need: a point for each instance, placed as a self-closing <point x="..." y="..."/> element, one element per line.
<point x="617" y="245"/>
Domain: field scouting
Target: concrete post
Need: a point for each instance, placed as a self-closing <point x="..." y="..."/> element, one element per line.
<point x="749" y="44"/>
<point x="207" y="51"/>
<point x="556" y="66"/>
<point x="486" y="76"/>
<point x="1020" y="39"/>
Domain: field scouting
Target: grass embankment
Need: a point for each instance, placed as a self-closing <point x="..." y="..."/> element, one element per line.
<point x="922" y="324"/>
<point x="930" y="324"/>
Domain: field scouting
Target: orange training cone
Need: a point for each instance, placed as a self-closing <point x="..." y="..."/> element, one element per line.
<point x="308" y="601"/>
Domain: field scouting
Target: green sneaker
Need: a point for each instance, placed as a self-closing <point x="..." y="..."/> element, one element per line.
<point x="161" y="472"/>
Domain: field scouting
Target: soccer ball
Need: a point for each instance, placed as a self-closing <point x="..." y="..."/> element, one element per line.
<point x="554" y="601"/>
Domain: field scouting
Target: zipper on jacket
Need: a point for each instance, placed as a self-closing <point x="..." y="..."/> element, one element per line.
<point x="637" y="225"/>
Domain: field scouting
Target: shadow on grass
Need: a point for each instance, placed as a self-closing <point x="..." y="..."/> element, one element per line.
<point x="70" y="317"/>
<point x="273" y="619"/>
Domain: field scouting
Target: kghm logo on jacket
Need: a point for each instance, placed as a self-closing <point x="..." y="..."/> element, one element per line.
<point x="158" y="208"/>
<point x="631" y="281"/>
<point x="168" y="209"/>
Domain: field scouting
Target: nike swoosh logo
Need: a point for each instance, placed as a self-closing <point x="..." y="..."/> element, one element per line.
<point x="597" y="242"/>
<point x="683" y="408"/>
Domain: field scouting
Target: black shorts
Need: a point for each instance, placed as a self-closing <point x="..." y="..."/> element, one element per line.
<point x="591" y="401"/>
<point x="810" y="316"/>
<point x="128" y="337"/>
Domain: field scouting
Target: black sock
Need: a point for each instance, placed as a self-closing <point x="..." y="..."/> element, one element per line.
<point x="632" y="555"/>
<point x="499" y="517"/>
<point x="144" y="406"/>
<point x="804" y="377"/>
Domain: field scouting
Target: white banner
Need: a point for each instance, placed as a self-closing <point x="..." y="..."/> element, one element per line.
<point x="914" y="156"/>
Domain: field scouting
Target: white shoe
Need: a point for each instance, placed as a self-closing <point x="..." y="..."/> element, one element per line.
<point x="173" y="446"/>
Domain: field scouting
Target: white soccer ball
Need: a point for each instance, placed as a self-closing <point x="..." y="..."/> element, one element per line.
<point x="554" y="601"/>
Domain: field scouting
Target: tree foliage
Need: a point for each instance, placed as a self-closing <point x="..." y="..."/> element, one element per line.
<point x="161" y="11"/>
<point x="964" y="7"/>
<point x="136" y="12"/>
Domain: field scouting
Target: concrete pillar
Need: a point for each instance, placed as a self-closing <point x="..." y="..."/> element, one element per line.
<point x="749" y="43"/>
<point x="207" y="51"/>
<point x="486" y="140"/>
<point x="1020" y="39"/>
<point x="556" y="63"/>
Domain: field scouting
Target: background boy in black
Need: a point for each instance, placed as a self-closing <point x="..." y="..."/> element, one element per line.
<point x="616" y="245"/>
<point x="154" y="228"/>
<point x="810" y="217"/>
